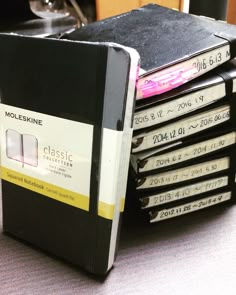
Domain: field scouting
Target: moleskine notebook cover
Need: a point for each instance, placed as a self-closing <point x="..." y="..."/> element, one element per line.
<point x="174" y="47"/>
<point x="66" y="115"/>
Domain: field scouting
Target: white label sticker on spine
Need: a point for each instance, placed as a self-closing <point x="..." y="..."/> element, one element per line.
<point x="184" y="174"/>
<point x="181" y="129"/>
<point x="184" y="192"/>
<point x="178" y="107"/>
<point x="189" y="152"/>
<point x="186" y="71"/>
<point x="189" y="207"/>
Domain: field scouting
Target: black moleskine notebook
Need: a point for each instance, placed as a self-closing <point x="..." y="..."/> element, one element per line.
<point x="66" y="116"/>
<point x="184" y="100"/>
<point x="187" y="151"/>
<point x="188" y="111"/>
<point x="197" y="124"/>
<point x="184" y="192"/>
<point x="174" y="47"/>
<point x="172" y="177"/>
<point x="175" y="200"/>
<point x="223" y="196"/>
<point x="194" y="109"/>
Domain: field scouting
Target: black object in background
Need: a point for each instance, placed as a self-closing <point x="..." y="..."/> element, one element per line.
<point x="211" y="8"/>
<point x="15" y="10"/>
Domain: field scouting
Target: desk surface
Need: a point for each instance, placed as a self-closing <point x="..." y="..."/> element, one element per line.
<point x="194" y="254"/>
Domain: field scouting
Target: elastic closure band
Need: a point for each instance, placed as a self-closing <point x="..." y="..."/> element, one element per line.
<point x="231" y="40"/>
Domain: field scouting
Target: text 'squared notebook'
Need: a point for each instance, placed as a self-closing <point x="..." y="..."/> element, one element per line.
<point x="66" y="133"/>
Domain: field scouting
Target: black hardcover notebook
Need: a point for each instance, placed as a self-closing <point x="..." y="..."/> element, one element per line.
<point x="188" y="151"/>
<point x="174" y="47"/>
<point x="203" y="122"/>
<point x="172" y="177"/>
<point x="175" y="200"/>
<point x="184" y="192"/>
<point x="195" y="95"/>
<point x="209" y="200"/>
<point x="66" y="116"/>
<point x="175" y="192"/>
<point x="204" y="103"/>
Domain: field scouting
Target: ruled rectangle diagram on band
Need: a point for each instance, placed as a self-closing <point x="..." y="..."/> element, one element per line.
<point x="22" y="147"/>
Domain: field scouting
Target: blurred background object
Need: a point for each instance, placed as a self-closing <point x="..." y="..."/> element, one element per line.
<point x="65" y="14"/>
<point x="78" y="12"/>
<point x="108" y="8"/>
<point x="49" y="8"/>
<point x="83" y="10"/>
<point x="87" y="7"/>
<point x="211" y="8"/>
<point x="231" y="12"/>
<point x="42" y="18"/>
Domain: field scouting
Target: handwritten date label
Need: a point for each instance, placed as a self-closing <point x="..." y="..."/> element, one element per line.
<point x="189" y="207"/>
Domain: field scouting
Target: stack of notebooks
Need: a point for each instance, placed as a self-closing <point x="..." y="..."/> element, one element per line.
<point x="184" y="131"/>
<point x="183" y="149"/>
<point x="66" y="128"/>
